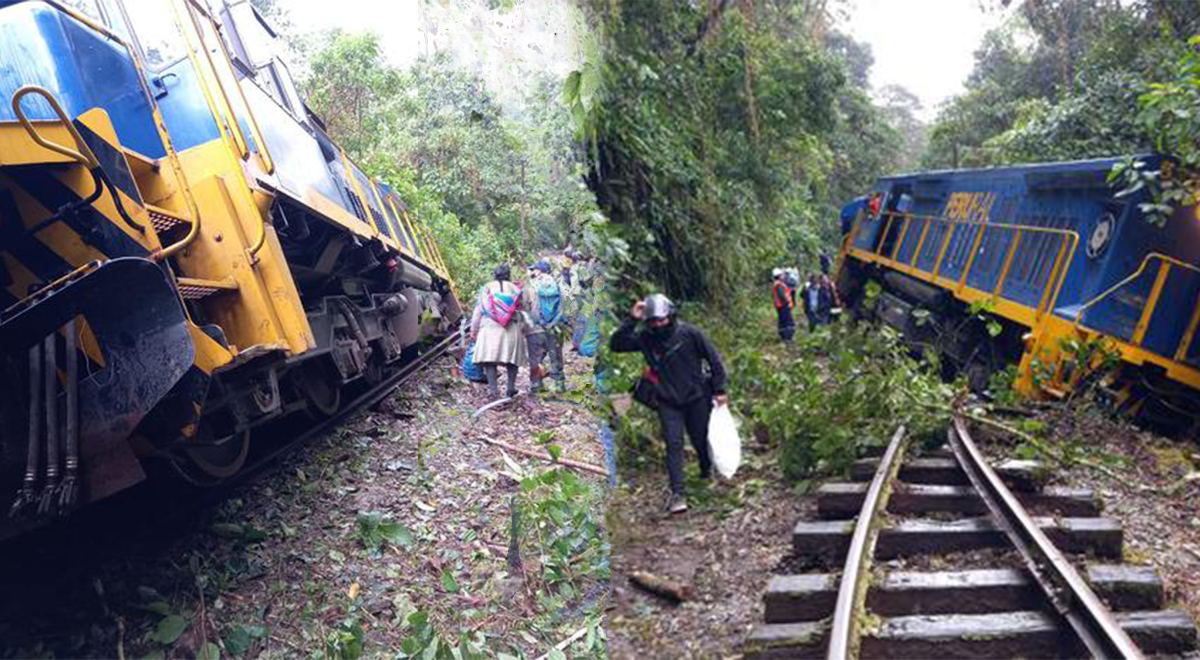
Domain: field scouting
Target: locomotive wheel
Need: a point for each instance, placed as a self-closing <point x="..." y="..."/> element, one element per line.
<point x="319" y="388"/>
<point x="209" y="464"/>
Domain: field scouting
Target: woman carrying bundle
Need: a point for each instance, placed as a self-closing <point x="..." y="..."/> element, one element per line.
<point x="496" y="331"/>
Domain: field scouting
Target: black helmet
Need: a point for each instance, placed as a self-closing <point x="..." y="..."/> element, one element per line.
<point x="658" y="306"/>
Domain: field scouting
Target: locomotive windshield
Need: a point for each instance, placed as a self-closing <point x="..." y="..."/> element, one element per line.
<point x="156" y="32"/>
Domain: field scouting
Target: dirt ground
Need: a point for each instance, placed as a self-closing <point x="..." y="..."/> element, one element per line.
<point x="724" y="549"/>
<point x="402" y="510"/>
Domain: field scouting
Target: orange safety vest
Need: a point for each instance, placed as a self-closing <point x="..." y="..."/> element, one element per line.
<point x="787" y="295"/>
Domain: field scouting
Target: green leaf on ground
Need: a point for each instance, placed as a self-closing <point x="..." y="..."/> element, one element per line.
<point x="169" y="629"/>
<point x="237" y="640"/>
<point x="448" y="582"/>
<point x="396" y="533"/>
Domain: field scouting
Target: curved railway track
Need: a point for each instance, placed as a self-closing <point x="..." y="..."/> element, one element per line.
<point x="939" y="556"/>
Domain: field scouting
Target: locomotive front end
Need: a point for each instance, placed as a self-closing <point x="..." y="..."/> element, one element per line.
<point x="93" y="334"/>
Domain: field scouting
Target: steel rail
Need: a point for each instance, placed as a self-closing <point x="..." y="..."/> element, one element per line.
<point x="1071" y="596"/>
<point x="852" y="590"/>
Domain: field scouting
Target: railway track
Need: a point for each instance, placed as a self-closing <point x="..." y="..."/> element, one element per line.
<point x="944" y="555"/>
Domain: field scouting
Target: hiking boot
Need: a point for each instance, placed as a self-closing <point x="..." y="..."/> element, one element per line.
<point x="678" y="504"/>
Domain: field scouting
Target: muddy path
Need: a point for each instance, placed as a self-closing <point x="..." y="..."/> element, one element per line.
<point x="723" y="549"/>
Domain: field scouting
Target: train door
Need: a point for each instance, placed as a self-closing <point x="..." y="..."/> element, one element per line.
<point x="897" y="208"/>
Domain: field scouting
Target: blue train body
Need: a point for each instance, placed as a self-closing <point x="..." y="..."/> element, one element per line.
<point x="935" y="226"/>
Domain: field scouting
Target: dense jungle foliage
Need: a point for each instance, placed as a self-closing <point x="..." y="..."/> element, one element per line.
<point x="726" y="134"/>
<point x="724" y="139"/>
<point x="1062" y="80"/>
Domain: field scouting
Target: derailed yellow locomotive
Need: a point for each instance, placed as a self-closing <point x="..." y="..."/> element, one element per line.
<point x="184" y="253"/>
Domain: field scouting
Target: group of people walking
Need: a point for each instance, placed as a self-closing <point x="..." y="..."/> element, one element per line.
<point x="524" y="323"/>
<point x="818" y="297"/>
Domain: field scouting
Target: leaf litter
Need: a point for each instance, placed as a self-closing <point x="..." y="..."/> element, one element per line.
<point x="389" y="537"/>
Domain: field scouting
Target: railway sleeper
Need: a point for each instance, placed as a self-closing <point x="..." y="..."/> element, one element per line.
<point x="1019" y="475"/>
<point x="828" y="540"/>
<point x="839" y="501"/>
<point x="1025" y="634"/>
<point x="811" y="597"/>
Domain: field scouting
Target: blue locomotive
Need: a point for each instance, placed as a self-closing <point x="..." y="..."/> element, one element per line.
<point x="1045" y="266"/>
<point x="185" y="254"/>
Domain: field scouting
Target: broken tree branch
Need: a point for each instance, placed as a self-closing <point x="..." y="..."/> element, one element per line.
<point x="661" y="586"/>
<point x="566" y="462"/>
<point x="565" y="643"/>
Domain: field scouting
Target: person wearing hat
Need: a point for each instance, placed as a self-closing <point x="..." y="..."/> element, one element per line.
<point x="782" y="296"/>
<point x="686" y="376"/>
<point x="543" y="299"/>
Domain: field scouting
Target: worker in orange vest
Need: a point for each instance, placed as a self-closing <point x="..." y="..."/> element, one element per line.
<point x="782" y="295"/>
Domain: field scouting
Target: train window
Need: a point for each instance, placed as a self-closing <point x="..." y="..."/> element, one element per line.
<point x="256" y="39"/>
<point x="288" y="87"/>
<point x="155" y="29"/>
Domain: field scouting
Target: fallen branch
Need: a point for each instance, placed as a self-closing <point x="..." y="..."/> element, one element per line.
<point x="661" y="586"/>
<point x="566" y="462"/>
<point x="1038" y="444"/>
<point x="489" y="406"/>
<point x="565" y="643"/>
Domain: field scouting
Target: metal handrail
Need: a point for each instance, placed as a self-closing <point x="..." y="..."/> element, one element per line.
<point x="84" y="154"/>
<point x="234" y="128"/>
<point x="134" y="57"/>
<point x="263" y="151"/>
<point x="1058" y="272"/>
<point x="1151" y="301"/>
<point x="1137" y="273"/>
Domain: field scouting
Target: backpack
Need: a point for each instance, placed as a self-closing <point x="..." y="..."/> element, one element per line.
<point x="501" y="306"/>
<point x="549" y="302"/>
<point x="471" y="369"/>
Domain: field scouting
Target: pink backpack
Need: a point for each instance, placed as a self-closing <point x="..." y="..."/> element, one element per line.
<point x="501" y="306"/>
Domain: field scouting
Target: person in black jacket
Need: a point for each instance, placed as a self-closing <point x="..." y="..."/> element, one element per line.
<point x="685" y="390"/>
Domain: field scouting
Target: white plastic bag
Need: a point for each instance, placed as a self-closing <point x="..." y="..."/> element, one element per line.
<point x="723" y="441"/>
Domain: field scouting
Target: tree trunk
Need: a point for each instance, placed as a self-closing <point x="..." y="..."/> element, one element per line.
<point x="747" y="8"/>
<point x="524" y="199"/>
